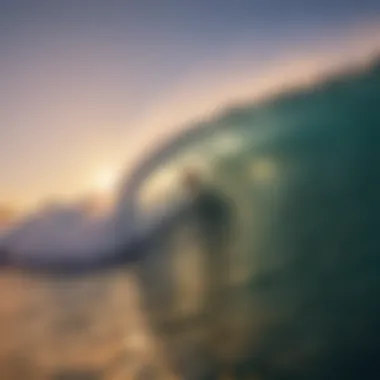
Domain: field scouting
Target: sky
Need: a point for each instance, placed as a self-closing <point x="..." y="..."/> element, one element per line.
<point x="88" y="86"/>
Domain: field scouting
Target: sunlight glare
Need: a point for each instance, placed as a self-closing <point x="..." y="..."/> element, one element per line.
<point x="105" y="180"/>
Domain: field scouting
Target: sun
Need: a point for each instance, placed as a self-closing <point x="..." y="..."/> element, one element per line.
<point x="105" y="180"/>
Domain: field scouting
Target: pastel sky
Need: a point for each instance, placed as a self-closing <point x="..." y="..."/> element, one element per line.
<point x="87" y="85"/>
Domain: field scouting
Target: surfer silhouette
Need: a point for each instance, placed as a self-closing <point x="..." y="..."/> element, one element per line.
<point x="211" y="215"/>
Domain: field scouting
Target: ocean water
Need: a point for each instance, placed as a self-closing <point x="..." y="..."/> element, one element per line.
<point x="305" y="185"/>
<point x="90" y="327"/>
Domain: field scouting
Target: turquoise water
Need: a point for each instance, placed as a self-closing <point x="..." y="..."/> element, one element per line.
<point x="305" y="184"/>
